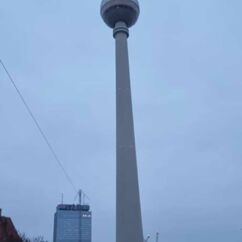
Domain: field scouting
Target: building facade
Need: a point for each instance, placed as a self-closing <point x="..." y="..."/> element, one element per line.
<point x="73" y="223"/>
<point x="8" y="233"/>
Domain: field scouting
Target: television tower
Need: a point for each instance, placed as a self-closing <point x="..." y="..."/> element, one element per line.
<point x="120" y="15"/>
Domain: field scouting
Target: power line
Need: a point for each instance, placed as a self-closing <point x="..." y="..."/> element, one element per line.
<point x="42" y="133"/>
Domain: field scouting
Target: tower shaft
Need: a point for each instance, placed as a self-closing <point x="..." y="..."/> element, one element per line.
<point x="128" y="210"/>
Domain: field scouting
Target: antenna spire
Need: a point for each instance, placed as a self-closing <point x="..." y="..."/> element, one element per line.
<point x="80" y="196"/>
<point x="62" y="198"/>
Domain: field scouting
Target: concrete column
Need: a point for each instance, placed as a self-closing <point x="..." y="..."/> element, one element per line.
<point x="128" y="210"/>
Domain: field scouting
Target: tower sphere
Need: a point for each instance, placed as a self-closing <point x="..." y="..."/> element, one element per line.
<point x="114" y="11"/>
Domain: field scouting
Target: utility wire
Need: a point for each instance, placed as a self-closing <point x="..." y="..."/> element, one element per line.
<point x="52" y="150"/>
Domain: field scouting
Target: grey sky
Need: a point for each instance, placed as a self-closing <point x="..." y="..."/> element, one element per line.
<point x="186" y="73"/>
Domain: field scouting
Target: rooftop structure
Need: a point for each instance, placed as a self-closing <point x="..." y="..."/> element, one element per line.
<point x="73" y="207"/>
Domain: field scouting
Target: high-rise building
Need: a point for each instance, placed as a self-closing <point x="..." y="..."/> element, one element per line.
<point x="73" y="223"/>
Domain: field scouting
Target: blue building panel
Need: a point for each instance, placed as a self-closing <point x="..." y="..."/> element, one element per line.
<point x="73" y="223"/>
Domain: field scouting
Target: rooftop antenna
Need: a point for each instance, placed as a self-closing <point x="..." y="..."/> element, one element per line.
<point x="62" y="198"/>
<point x="80" y="196"/>
<point x="157" y="237"/>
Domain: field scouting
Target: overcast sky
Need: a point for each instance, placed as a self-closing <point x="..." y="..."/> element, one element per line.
<point x="186" y="69"/>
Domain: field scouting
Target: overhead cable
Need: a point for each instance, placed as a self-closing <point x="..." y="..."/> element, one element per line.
<point x="42" y="133"/>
